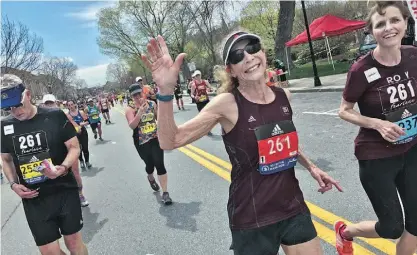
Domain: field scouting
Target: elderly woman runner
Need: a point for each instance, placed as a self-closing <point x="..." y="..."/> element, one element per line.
<point x="266" y="207"/>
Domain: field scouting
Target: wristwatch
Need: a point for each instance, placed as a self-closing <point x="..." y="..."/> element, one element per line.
<point x="11" y="184"/>
<point x="164" y="98"/>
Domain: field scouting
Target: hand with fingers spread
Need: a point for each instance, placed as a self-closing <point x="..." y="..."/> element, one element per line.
<point x="24" y="192"/>
<point x="326" y="182"/>
<point x="389" y="131"/>
<point x="159" y="62"/>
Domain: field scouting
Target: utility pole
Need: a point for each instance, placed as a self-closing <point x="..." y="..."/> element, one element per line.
<point x="317" y="81"/>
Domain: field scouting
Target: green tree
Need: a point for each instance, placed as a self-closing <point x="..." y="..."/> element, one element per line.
<point x="261" y="18"/>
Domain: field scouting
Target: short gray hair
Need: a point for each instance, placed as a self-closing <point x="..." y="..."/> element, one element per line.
<point x="10" y="81"/>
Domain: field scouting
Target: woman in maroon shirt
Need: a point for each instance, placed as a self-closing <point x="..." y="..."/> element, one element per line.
<point x="266" y="206"/>
<point x="383" y="83"/>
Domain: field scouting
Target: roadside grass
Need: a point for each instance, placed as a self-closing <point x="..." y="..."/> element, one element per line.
<point x="323" y="69"/>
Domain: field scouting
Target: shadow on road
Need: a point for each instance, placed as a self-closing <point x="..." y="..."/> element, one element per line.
<point x="324" y="164"/>
<point x="91" y="225"/>
<point x="179" y="215"/>
<point x="91" y="172"/>
<point x="215" y="137"/>
<point x="98" y="142"/>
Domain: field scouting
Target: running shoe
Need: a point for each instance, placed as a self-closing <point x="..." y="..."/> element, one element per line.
<point x="95" y="135"/>
<point x="166" y="199"/>
<point x="88" y="164"/>
<point x="343" y="246"/>
<point x="84" y="201"/>
<point x="82" y="164"/>
<point x="154" y="185"/>
<point x="101" y="139"/>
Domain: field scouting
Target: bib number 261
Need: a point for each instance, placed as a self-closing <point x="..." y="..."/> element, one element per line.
<point x="401" y="92"/>
<point x="279" y="144"/>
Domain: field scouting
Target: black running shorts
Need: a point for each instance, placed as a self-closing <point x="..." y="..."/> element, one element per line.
<point x="267" y="240"/>
<point x="201" y="105"/>
<point x="95" y="125"/>
<point x="50" y="216"/>
<point x="104" y="110"/>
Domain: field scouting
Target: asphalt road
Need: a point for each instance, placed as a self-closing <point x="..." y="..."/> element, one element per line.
<point x="126" y="217"/>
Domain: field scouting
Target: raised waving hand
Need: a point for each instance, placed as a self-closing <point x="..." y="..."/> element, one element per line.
<point x="164" y="70"/>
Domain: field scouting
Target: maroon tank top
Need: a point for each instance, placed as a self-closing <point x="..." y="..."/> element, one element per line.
<point x="264" y="189"/>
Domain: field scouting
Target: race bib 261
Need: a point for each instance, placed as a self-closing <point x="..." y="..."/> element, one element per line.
<point x="277" y="147"/>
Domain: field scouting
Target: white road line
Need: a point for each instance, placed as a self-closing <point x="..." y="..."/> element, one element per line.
<point x="334" y="110"/>
<point x="321" y="113"/>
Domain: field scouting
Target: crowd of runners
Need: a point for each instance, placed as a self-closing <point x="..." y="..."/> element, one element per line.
<point x="44" y="147"/>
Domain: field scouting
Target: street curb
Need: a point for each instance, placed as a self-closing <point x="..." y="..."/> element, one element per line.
<point x="310" y="90"/>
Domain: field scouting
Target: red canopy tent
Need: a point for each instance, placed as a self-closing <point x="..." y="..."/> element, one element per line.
<point x="326" y="26"/>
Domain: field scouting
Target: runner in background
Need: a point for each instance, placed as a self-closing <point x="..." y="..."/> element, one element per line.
<point x="104" y="106"/>
<point x="178" y="96"/>
<point x="93" y="113"/>
<point x="142" y="117"/>
<point x="383" y="84"/>
<point x="81" y="119"/>
<point x="199" y="91"/>
<point x="49" y="101"/>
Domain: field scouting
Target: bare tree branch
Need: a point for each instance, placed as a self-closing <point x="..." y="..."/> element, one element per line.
<point x="19" y="49"/>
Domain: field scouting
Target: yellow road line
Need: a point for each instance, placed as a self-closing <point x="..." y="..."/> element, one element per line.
<point x="208" y="156"/>
<point x="323" y="232"/>
<point x="381" y="244"/>
<point x="207" y="164"/>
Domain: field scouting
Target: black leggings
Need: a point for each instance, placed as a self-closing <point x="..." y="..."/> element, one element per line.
<point x="153" y="156"/>
<point x="83" y="140"/>
<point x="381" y="179"/>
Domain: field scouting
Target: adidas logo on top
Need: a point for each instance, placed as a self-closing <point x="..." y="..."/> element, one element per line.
<point x="276" y="131"/>
<point x="34" y="159"/>
<point x="251" y="119"/>
<point x="406" y="114"/>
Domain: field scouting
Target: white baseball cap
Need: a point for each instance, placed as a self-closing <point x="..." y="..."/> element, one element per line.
<point x="138" y="79"/>
<point x="196" y="72"/>
<point x="48" y="98"/>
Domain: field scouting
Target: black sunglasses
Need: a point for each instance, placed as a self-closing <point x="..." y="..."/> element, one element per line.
<point x="8" y="109"/>
<point x="254" y="46"/>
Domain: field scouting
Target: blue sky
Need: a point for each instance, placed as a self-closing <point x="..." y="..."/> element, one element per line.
<point x="69" y="29"/>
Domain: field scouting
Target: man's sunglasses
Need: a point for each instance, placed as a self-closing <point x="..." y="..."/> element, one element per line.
<point x="254" y="46"/>
<point x="8" y="109"/>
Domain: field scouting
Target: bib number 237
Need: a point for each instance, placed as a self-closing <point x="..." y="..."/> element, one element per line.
<point x="277" y="147"/>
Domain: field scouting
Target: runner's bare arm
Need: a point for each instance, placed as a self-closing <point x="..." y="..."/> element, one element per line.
<point x="85" y="119"/>
<point x="192" y="90"/>
<point x="9" y="169"/>
<point x="73" y="148"/>
<point x="346" y="112"/>
<point x="172" y="136"/>
<point x="132" y="119"/>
